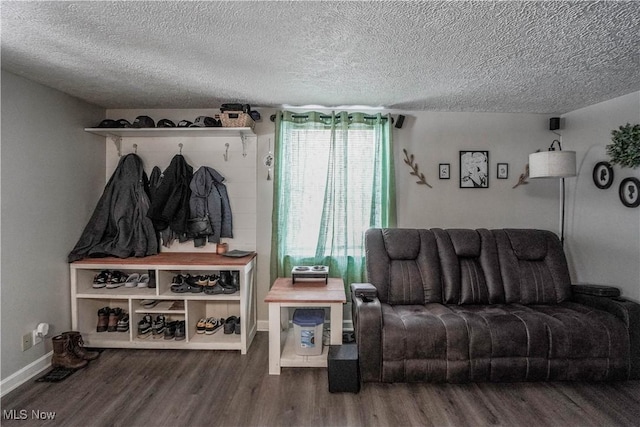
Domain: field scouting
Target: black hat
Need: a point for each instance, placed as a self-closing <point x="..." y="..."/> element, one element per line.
<point x="122" y="123"/>
<point x="184" y="123"/>
<point x="206" y="121"/>
<point x="166" y="123"/>
<point x="143" y="122"/>
<point x="108" y="123"/>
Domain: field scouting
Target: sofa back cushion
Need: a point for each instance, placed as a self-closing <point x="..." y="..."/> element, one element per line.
<point x="469" y="265"/>
<point x="533" y="265"/>
<point x="403" y="265"/>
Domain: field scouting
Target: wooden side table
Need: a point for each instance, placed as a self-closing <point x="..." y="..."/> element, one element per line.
<point x="281" y="297"/>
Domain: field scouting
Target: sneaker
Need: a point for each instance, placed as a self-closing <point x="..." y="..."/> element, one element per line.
<point x="144" y="327"/>
<point x="123" y="323"/>
<point x="201" y="326"/>
<point x="213" y="325"/>
<point x="170" y="330"/>
<point x="101" y="279"/>
<point x="118" y="278"/>
<point x="157" y="329"/>
<point x="201" y="280"/>
<point x="180" y="330"/>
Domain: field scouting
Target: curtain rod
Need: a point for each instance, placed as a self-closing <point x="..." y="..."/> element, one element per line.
<point x="322" y="116"/>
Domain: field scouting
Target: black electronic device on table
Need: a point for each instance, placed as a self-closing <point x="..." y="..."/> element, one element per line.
<point x="304" y="272"/>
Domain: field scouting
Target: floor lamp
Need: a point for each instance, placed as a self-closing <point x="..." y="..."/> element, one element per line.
<point x="554" y="164"/>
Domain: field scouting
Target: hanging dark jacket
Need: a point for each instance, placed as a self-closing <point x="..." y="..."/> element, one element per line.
<point x="119" y="225"/>
<point x="209" y="198"/>
<point x="170" y="203"/>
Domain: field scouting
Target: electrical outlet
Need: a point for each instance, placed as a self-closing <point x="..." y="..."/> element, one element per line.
<point x="37" y="339"/>
<point x="26" y="341"/>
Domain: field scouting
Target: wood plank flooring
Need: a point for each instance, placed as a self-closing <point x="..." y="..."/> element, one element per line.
<point x="223" y="388"/>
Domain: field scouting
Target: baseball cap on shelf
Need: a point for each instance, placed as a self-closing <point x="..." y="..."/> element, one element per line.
<point x="108" y="123"/>
<point x="184" y="123"/>
<point x="206" y="121"/>
<point x="122" y="123"/>
<point x="143" y="122"/>
<point x="166" y="123"/>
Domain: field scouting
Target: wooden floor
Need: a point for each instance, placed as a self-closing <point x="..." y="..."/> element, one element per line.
<point x="223" y="388"/>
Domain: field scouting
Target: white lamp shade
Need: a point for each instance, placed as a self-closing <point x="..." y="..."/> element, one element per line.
<point x="552" y="164"/>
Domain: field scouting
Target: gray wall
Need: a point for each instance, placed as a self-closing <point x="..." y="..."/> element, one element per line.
<point x="603" y="236"/>
<point x="52" y="176"/>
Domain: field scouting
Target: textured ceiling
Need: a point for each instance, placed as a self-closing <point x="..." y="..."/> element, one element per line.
<point x="542" y="57"/>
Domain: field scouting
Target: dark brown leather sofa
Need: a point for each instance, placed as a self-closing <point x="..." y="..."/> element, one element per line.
<point x="468" y="305"/>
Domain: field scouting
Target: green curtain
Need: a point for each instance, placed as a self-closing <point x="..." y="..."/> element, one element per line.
<point x="333" y="180"/>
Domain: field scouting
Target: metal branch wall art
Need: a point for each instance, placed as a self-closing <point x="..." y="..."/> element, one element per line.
<point x="522" y="180"/>
<point x="415" y="171"/>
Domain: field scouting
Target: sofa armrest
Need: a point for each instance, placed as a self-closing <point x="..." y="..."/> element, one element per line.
<point x="628" y="312"/>
<point x="595" y="290"/>
<point x="366" y="314"/>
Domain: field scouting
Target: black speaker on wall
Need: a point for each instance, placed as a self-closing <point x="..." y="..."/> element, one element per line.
<point x="400" y="121"/>
<point x="554" y="123"/>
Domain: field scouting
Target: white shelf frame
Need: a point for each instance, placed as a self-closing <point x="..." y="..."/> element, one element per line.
<point x="195" y="306"/>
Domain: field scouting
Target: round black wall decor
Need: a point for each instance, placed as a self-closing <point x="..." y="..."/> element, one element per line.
<point x="603" y="175"/>
<point x="628" y="192"/>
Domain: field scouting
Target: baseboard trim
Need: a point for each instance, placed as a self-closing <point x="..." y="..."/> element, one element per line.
<point x="15" y="380"/>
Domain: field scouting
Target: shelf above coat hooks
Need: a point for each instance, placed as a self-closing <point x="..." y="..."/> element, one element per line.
<point x="116" y="134"/>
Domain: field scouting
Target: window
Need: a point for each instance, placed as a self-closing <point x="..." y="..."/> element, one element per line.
<point x="333" y="180"/>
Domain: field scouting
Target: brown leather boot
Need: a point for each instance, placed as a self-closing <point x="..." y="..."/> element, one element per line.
<point x="63" y="355"/>
<point x="77" y="345"/>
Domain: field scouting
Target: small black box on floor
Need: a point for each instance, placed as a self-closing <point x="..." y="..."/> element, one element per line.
<point x="344" y="375"/>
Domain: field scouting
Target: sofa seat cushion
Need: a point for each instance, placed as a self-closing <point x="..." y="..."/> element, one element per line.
<point x="511" y="342"/>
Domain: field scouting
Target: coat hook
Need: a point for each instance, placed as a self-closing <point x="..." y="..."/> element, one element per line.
<point x="180" y="145"/>
<point x="226" y="153"/>
<point x="135" y="148"/>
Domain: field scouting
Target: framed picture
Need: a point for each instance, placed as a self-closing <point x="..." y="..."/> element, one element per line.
<point x="444" y="169"/>
<point x="603" y="175"/>
<point x="503" y="170"/>
<point x="474" y="169"/>
<point x="628" y="192"/>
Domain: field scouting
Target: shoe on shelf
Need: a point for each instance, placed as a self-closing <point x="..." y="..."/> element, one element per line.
<point x="114" y="317"/>
<point x="132" y="280"/>
<point x="229" y="289"/>
<point x="144" y="326"/>
<point x="230" y="325"/>
<point x="144" y="281"/>
<point x="201" y="280"/>
<point x="213" y="325"/>
<point x="123" y="323"/>
<point x="103" y="319"/>
<point x="118" y="278"/>
<point x="179" y="284"/>
<point x="213" y="286"/>
<point x="180" y="330"/>
<point x="236" y="329"/>
<point x="152" y="279"/>
<point x="159" y="324"/>
<point x="170" y="330"/>
<point x="101" y="279"/>
<point x="193" y="286"/>
<point x="201" y="326"/>
<point x="149" y="303"/>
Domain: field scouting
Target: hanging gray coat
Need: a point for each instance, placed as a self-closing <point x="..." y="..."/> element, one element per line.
<point x="119" y="225"/>
<point x="209" y="198"/>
